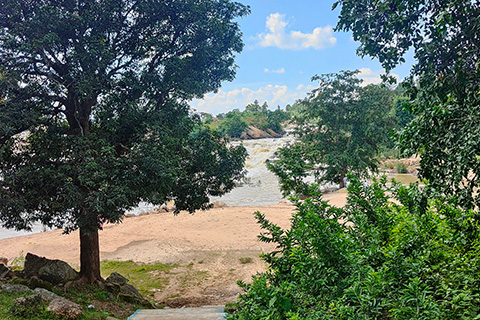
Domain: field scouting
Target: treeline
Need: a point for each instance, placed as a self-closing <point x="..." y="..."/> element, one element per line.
<point x="235" y="123"/>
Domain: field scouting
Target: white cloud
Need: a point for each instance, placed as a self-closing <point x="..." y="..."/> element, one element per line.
<point x="372" y="77"/>
<point x="274" y="95"/>
<point x="278" y="36"/>
<point x="279" y="71"/>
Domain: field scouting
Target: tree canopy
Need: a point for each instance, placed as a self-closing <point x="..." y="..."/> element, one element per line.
<point x="444" y="82"/>
<point x="94" y="115"/>
<point x="340" y="126"/>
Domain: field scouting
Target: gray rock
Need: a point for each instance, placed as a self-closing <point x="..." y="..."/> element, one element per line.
<point x="16" y="288"/>
<point x="4" y="271"/>
<point x="53" y="271"/>
<point x="117" y="279"/>
<point x="36" y="282"/>
<point x="130" y="293"/>
<point x="110" y="318"/>
<point x="47" y="295"/>
<point x="65" y="309"/>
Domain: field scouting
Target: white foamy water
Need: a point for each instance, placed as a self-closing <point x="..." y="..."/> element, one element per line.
<point x="260" y="186"/>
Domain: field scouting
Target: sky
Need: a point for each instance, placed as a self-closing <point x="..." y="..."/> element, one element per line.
<point x="286" y="43"/>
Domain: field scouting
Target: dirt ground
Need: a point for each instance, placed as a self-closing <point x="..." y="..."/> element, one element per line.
<point x="213" y="249"/>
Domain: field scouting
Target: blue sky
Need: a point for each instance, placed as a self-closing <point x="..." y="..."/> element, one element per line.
<point x="286" y="43"/>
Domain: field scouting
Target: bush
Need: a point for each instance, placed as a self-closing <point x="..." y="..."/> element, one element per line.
<point x="414" y="258"/>
<point x="401" y="167"/>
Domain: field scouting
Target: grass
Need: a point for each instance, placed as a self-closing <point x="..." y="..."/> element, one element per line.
<point x="142" y="276"/>
<point x="8" y="310"/>
<point x="245" y="260"/>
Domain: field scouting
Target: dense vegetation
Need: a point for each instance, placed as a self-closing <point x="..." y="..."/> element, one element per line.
<point x="341" y="127"/>
<point x="235" y="122"/>
<point x="414" y="258"/>
<point x="94" y="115"/>
<point x="394" y="252"/>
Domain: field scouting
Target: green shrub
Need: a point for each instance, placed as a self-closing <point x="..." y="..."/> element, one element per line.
<point x="401" y="167"/>
<point x="412" y="258"/>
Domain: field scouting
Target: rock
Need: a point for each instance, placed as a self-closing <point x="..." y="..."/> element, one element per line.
<point x="4" y="261"/>
<point x="219" y="204"/>
<point x="285" y="202"/>
<point x="255" y="133"/>
<point x="46" y="294"/>
<point x="130" y="294"/>
<point x="53" y="271"/>
<point x="4" y="272"/>
<point x="116" y="279"/>
<point x="65" y="309"/>
<point x="19" y="288"/>
<point x="117" y="284"/>
<point x="36" y="282"/>
<point x="273" y="133"/>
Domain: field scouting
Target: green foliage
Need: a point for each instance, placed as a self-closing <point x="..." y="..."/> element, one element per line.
<point x="94" y="115"/>
<point x="234" y="122"/>
<point x="233" y="126"/>
<point x="340" y="126"/>
<point x="401" y="167"/>
<point x="390" y="253"/>
<point x="444" y="83"/>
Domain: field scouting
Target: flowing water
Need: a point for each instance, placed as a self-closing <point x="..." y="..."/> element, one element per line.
<point x="259" y="187"/>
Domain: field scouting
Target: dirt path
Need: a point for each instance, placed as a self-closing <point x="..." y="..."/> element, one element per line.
<point x="213" y="248"/>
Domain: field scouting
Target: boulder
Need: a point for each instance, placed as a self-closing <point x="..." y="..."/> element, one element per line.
<point x="36" y="282"/>
<point x="118" y="284"/>
<point x="255" y="133"/>
<point x="4" y="272"/>
<point x="46" y="294"/>
<point x="19" y="288"/>
<point x="130" y="294"/>
<point x="116" y="279"/>
<point x="53" y="271"/>
<point x="4" y="261"/>
<point x="65" y="309"/>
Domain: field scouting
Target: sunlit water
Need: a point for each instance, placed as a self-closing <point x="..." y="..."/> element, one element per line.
<point x="260" y="187"/>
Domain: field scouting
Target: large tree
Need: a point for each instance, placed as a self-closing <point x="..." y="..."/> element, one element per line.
<point x="340" y="126"/>
<point x="444" y="82"/>
<point x="94" y="115"/>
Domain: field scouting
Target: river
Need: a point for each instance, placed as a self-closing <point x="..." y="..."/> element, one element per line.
<point x="260" y="186"/>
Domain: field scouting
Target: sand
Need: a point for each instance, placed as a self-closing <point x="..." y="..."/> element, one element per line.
<point x="213" y="241"/>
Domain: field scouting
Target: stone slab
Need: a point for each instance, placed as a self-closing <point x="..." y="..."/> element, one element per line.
<point x="201" y="313"/>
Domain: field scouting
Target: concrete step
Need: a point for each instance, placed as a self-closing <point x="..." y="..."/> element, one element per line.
<point x="200" y="313"/>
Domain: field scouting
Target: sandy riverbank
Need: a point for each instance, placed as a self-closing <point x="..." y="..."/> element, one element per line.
<point x="218" y="238"/>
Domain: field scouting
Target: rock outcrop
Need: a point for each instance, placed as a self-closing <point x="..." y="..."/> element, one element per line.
<point x="53" y="271"/>
<point x="118" y="284"/>
<point x="255" y="133"/>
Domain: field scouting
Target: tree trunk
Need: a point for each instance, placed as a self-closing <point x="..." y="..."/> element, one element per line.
<point x="342" y="177"/>
<point x="89" y="256"/>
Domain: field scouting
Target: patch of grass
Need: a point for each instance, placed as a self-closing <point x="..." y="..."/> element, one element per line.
<point x="142" y="276"/>
<point x="193" y="278"/>
<point x="405" y="179"/>
<point x="9" y="311"/>
<point x="245" y="260"/>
